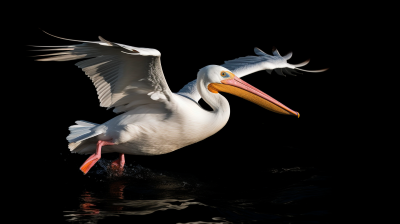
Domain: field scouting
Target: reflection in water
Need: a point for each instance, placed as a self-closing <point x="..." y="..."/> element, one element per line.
<point x="144" y="195"/>
<point x="145" y="207"/>
<point x="111" y="201"/>
<point x="90" y="206"/>
<point x="93" y="209"/>
<point x="117" y="189"/>
<point x="87" y="205"/>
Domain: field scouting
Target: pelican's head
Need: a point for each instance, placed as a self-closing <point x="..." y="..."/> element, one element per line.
<point x="219" y="79"/>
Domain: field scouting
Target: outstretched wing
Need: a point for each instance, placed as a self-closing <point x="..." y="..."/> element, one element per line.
<point x="246" y="65"/>
<point x="124" y="76"/>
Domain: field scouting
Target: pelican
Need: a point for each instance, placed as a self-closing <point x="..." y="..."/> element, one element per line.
<point x="151" y="119"/>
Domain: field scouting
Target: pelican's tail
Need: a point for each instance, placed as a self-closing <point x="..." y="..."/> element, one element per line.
<point x="79" y="138"/>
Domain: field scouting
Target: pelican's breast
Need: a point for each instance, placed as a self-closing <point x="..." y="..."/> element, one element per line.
<point x="154" y="130"/>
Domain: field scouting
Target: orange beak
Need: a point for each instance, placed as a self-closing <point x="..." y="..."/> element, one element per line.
<point x="246" y="91"/>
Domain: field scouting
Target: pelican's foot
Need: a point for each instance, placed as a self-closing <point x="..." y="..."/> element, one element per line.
<point x="117" y="166"/>
<point x="89" y="163"/>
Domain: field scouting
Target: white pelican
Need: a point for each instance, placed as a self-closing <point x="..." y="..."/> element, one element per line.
<point x="152" y="119"/>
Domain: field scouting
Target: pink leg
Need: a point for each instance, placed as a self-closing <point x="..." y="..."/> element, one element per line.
<point x="118" y="164"/>
<point x="89" y="163"/>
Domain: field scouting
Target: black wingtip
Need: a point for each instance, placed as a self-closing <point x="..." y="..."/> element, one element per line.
<point x="288" y="71"/>
<point x="296" y="72"/>
<point x="279" y="72"/>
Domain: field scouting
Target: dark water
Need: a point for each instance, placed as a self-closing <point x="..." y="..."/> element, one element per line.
<point x="153" y="195"/>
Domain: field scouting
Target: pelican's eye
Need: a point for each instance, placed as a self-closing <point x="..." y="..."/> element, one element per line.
<point x="224" y="74"/>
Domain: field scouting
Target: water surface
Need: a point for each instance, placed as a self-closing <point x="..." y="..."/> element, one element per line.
<point x="144" y="195"/>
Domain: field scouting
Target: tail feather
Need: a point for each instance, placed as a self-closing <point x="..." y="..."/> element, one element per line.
<point x="81" y="131"/>
<point x="79" y="138"/>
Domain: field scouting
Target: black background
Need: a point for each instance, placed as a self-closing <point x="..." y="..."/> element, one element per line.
<point x="56" y="94"/>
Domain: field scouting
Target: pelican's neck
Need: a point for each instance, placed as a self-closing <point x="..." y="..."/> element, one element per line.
<point x="216" y="101"/>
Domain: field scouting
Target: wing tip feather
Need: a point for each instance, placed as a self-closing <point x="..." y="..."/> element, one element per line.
<point x="66" y="38"/>
<point x="315" y="71"/>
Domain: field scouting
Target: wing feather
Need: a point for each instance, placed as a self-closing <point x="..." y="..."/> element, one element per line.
<point x="122" y="74"/>
<point x="243" y="66"/>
